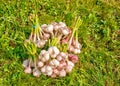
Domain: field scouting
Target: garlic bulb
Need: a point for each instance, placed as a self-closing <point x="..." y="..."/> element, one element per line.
<point x="49" y="73"/>
<point x="69" y="63"/>
<point x="50" y="28"/>
<point x="40" y="64"/>
<point x="36" y="72"/>
<point x="56" y="71"/>
<point x="53" y="75"/>
<point x="62" y="24"/>
<point x="62" y="73"/>
<point x="43" y="69"/>
<point x="59" y="58"/>
<point x="44" y="56"/>
<point x="77" y="51"/>
<point x="69" y="69"/>
<point x="53" y="51"/>
<point x="27" y="70"/>
<point x="73" y="58"/>
<point x="48" y="68"/>
<point x="65" y="32"/>
<point x="25" y="63"/>
<point x="56" y="62"/>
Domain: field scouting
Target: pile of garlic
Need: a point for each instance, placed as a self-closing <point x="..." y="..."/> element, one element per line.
<point x="52" y="62"/>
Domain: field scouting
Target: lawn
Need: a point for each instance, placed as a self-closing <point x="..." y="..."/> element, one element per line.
<point x="99" y="34"/>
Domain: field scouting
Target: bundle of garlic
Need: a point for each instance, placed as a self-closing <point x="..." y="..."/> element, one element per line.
<point x="59" y="58"/>
<point x="51" y="63"/>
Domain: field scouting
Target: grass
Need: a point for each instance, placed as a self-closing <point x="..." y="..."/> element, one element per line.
<point x="99" y="34"/>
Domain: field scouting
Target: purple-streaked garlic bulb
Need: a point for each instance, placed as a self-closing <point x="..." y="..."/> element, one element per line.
<point x="73" y="58"/>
